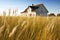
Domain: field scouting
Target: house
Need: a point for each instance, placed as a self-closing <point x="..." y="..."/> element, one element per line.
<point x="35" y="10"/>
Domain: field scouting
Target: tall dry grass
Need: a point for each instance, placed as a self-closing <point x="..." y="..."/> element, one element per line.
<point x="29" y="28"/>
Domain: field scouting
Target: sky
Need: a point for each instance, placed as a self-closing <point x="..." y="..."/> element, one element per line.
<point x="53" y="6"/>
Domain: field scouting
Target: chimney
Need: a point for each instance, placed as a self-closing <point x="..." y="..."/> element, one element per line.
<point x="32" y="4"/>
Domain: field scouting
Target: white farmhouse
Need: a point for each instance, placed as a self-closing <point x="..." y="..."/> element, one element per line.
<point x="35" y="10"/>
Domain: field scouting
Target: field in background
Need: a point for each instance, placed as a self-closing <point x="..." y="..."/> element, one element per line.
<point x="29" y="28"/>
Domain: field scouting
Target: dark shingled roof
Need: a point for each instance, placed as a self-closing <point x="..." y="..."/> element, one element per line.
<point x="34" y="7"/>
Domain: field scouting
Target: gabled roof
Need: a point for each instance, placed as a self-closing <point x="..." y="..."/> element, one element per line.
<point x="34" y="7"/>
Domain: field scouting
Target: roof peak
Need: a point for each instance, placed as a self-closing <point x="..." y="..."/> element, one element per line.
<point x="36" y="4"/>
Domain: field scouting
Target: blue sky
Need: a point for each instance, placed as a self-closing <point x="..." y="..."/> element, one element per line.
<point x="53" y="6"/>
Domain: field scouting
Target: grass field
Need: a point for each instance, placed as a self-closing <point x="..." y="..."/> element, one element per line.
<point x="29" y="28"/>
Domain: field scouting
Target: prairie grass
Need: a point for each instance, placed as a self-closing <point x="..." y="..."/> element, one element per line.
<point x="29" y="28"/>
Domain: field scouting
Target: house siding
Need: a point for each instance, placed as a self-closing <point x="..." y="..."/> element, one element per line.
<point x="30" y="13"/>
<point x="41" y="11"/>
